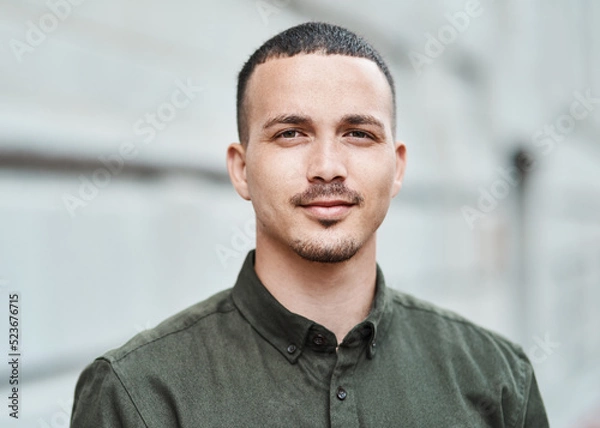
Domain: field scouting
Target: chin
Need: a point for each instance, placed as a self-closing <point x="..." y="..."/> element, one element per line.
<point x="320" y="252"/>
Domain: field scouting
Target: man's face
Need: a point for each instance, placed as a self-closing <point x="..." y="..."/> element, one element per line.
<point x="320" y="165"/>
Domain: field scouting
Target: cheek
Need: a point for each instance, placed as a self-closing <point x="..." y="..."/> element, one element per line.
<point x="377" y="177"/>
<point x="268" y="186"/>
<point x="272" y="175"/>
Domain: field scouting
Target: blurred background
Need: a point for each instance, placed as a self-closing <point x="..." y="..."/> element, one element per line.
<point x="116" y="210"/>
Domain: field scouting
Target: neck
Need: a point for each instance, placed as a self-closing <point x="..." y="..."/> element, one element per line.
<point x="335" y="295"/>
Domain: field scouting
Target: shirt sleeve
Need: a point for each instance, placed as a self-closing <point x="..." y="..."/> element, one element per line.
<point x="535" y="413"/>
<point x="101" y="400"/>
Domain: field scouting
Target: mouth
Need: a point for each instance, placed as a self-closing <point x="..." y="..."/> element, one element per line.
<point x="333" y="209"/>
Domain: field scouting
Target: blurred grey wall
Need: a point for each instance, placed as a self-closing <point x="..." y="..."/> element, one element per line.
<point x="116" y="210"/>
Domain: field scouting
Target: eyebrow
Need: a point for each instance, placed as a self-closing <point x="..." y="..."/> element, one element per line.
<point x="350" y="119"/>
<point x="289" y="119"/>
<point x="362" y="119"/>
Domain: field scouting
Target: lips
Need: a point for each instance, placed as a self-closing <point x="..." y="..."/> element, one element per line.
<point x="328" y="209"/>
<point x="328" y="203"/>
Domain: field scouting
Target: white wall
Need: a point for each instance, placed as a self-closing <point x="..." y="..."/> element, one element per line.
<point x="155" y="241"/>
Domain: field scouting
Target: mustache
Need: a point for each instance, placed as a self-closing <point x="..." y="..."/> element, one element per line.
<point x="320" y="190"/>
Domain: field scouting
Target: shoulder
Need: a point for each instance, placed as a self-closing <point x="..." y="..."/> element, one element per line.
<point x="491" y="371"/>
<point x="443" y="329"/>
<point x="151" y="370"/>
<point x="176" y="330"/>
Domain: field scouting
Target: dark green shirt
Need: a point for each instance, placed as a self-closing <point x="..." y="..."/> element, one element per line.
<point x="240" y="359"/>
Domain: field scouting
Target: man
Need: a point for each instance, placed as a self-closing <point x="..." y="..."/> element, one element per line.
<point x="309" y="335"/>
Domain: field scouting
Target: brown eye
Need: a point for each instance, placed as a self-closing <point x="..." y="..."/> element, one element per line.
<point x="289" y="134"/>
<point x="359" y="134"/>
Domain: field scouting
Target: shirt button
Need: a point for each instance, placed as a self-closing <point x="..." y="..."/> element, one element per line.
<point x="341" y="393"/>
<point x="371" y="350"/>
<point x="291" y="348"/>
<point x="319" y="340"/>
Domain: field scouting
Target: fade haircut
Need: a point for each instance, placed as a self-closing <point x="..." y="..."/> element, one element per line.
<point x="307" y="38"/>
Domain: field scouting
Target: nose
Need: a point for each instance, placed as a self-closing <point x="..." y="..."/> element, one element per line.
<point x="326" y="161"/>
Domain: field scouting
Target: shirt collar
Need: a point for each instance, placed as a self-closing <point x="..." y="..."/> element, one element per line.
<point x="289" y="332"/>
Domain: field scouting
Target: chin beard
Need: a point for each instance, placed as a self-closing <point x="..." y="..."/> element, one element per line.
<point x="321" y="253"/>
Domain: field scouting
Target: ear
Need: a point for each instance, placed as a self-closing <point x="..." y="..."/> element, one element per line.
<point x="400" y="151"/>
<point x="236" y="165"/>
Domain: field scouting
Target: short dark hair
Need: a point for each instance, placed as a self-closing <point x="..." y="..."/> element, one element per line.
<point x="307" y="38"/>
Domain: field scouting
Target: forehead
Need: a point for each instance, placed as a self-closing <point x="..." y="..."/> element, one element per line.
<point x="318" y="84"/>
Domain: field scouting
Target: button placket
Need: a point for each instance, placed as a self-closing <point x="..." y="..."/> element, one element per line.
<point x="343" y="406"/>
